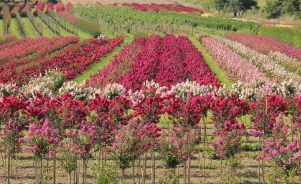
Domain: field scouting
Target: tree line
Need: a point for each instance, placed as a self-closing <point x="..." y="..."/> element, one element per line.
<point x="274" y="8"/>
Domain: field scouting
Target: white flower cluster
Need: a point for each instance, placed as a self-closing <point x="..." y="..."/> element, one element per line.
<point x="184" y="88"/>
<point x="78" y="91"/>
<point x="262" y="61"/>
<point x="291" y="64"/>
<point x="256" y="89"/>
<point x="112" y="90"/>
<point x="44" y="84"/>
<point x="8" y="89"/>
<point x="102" y="36"/>
<point x="155" y="86"/>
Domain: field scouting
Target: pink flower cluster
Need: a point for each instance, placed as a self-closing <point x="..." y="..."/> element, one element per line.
<point x="236" y="67"/>
<point x="60" y="7"/>
<point x="40" y="6"/>
<point x="28" y="6"/>
<point x="49" y="7"/>
<point x="68" y="6"/>
<point x="67" y="15"/>
<point x="264" y="44"/>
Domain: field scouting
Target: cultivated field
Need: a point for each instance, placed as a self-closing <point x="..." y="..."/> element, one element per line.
<point x="137" y="92"/>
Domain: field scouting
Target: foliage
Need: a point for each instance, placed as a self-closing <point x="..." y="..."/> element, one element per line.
<point x="282" y="7"/>
<point x="237" y="7"/>
<point x="89" y="27"/>
<point x="120" y="14"/>
<point x="289" y="35"/>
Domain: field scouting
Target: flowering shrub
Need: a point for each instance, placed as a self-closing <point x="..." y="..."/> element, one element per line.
<point x="45" y="85"/>
<point x="59" y="7"/>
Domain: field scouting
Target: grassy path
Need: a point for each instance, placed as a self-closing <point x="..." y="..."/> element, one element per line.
<point x="46" y="31"/>
<point x="83" y="35"/>
<point x="97" y="66"/>
<point x="30" y="31"/>
<point x="1" y="27"/>
<point x="13" y="28"/>
<point x="220" y="74"/>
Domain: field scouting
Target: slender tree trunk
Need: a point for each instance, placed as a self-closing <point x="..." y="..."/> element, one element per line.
<point x="153" y="178"/>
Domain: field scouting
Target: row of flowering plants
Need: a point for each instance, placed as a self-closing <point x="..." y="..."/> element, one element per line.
<point x="125" y="127"/>
<point x="24" y="52"/>
<point x="167" y="61"/>
<point x="265" y="45"/>
<point x="72" y="61"/>
<point x="283" y="53"/>
<point x="17" y="8"/>
<point x="7" y="38"/>
<point x="157" y="7"/>
<point x="236" y="67"/>
<point x="271" y="66"/>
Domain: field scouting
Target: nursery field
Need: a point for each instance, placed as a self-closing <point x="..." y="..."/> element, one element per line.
<point x="140" y="92"/>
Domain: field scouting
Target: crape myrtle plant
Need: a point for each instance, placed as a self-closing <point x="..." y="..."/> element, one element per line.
<point x="131" y="142"/>
<point x="185" y="115"/>
<point x="149" y="111"/>
<point x="12" y="131"/>
<point x="283" y="154"/>
<point x="228" y="132"/>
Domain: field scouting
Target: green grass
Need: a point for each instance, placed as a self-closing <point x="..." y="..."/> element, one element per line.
<point x="13" y="28"/>
<point x="1" y="27"/>
<point x="46" y="31"/>
<point x="83" y="35"/>
<point x="220" y="74"/>
<point x="104" y="61"/>
<point x="30" y="31"/>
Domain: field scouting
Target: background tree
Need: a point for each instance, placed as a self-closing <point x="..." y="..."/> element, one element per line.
<point x="237" y="7"/>
<point x="219" y="5"/>
<point x="282" y="7"/>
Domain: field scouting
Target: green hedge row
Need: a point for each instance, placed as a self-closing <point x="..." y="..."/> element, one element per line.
<point x="290" y="35"/>
<point x="121" y="14"/>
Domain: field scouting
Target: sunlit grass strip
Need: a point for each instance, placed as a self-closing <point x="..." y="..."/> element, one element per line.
<point x="13" y="28"/>
<point x="29" y="30"/>
<point x="99" y="65"/>
<point x="1" y="27"/>
<point x="220" y="74"/>
<point x="46" y="31"/>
